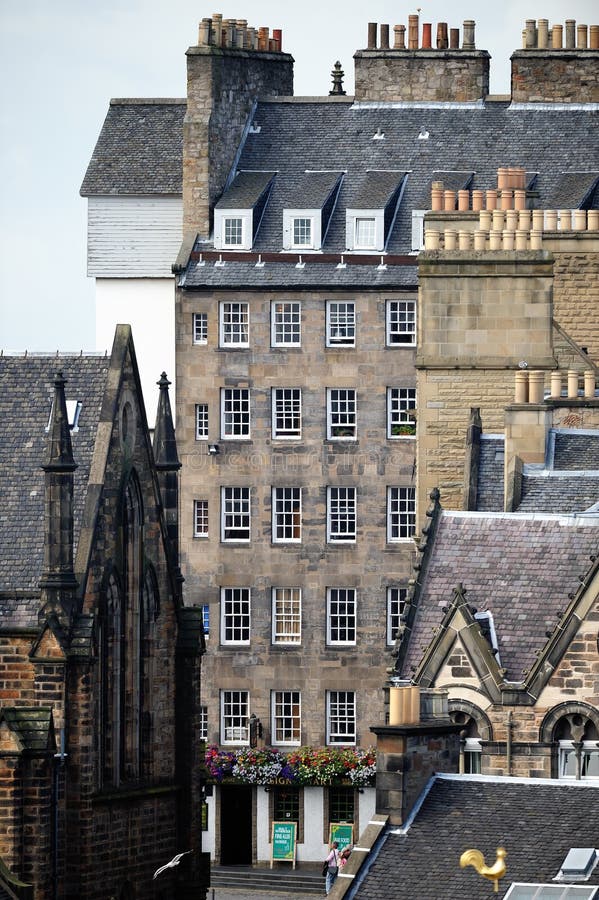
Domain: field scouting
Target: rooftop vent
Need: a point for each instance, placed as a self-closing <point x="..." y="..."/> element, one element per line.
<point x="578" y="864"/>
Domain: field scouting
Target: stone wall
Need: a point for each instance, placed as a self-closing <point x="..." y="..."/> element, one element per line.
<point x="222" y="85"/>
<point x="555" y="76"/>
<point x="576" y="297"/>
<point x="421" y="75"/>
<point x="370" y="464"/>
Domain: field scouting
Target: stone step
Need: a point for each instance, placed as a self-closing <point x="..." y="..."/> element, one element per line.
<point x="292" y="881"/>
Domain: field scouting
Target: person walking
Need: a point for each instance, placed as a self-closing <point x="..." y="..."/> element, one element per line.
<point x="333" y="866"/>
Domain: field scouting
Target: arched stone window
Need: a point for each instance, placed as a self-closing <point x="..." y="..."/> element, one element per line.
<point x="149" y="614"/>
<point x="573" y="730"/>
<point x="133" y="519"/>
<point x="476" y="729"/>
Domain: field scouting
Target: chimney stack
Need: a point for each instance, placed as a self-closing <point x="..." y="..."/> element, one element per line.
<point x="421" y="73"/>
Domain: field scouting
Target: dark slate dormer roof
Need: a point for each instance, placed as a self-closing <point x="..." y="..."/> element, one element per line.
<point x="463" y="812"/>
<point x="245" y="190"/>
<point x="285" y="276"/>
<point x="550" y="492"/>
<point x="575" y="450"/>
<point x="520" y="568"/>
<point x="27" y="391"/>
<point x="310" y="190"/>
<point x="573" y="189"/>
<point x="373" y="190"/>
<point x="139" y="150"/>
<point x="490" y="474"/>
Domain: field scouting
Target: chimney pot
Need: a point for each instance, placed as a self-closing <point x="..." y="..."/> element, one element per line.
<point x="277" y="34"/>
<point x="581" y="37"/>
<point x="589" y="385"/>
<point x="204" y="32"/>
<point x="480" y="239"/>
<point x="464" y="240"/>
<point x="570" y="34"/>
<point x="580" y="220"/>
<point x="507" y="198"/>
<point x="431" y="239"/>
<point x="536" y="239"/>
<point x="468" y="42"/>
<point x="372" y="30"/>
<point x="498" y="220"/>
<point x="478" y="200"/>
<point x="442" y="39"/>
<point x="427" y="36"/>
<point x="521" y="386"/>
<point x="524" y="219"/>
<point x="449" y="239"/>
<point x="384" y="37"/>
<point x="538" y="219"/>
<point x="521" y="239"/>
<point x="519" y="198"/>
<point x="593" y="219"/>
<point x="543" y="34"/>
<point x="449" y="201"/>
<point x="437" y="198"/>
<point x="593" y="37"/>
<point x="565" y="220"/>
<point x="217" y="29"/>
<point x="463" y="200"/>
<point x="400" y="37"/>
<point x="507" y="240"/>
<point x="503" y="175"/>
<point x="536" y="387"/>
<point x="485" y="218"/>
<point x="531" y="34"/>
<point x="491" y="199"/>
<point x="550" y="220"/>
<point x="454" y="38"/>
<point x="413" y="32"/>
<point x="511" y="219"/>
<point x="556" y="385"/>
<point x="557" y="33"/>
<point x="494" y="240"/>
<point x="572" y="384"/>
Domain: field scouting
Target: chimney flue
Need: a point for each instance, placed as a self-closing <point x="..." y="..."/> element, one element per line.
<point x="413" y="32"/>
<point x="384" y="37"/>
<point x="372" y="30"/>
<point x="570" y="34"/>
<point x="442" y="41"/>
<point x="454" y="38"/>
<point x="400" y="37"/>
<point x="468" y="42"/>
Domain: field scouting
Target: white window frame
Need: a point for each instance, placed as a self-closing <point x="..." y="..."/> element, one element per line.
<point x="234" y="323"/>
<point x="341" y="718"/>
<point x="221" y="217"/>
<point x="233" y="227"/>
<point x="340" y="323"/>
<point x="201" y="421"/>
<point x="286" y="414"/>
<point x="401" y="503"/>
<point x="590" y="756"/>
<point x="203" y="729"/>
<point x="285" y="718"/>
<point x="235" y="416"/>
<point x="286" y="323"/>
<point x="235" y="717"/>
<point x="206" y="619"/>
<point x="472" y="756"/>
<point x="396" y="602"/>
<point x="200" y="328"/>
<point x="352" y="219"/>
<point x="405" y="315"/>
<point x="200" y="519"/>
<point x="418" y="230"/>
<point x="302" y="232"/>
<point x="236" y="514"/>
<point x="342" y="414"/>
<point x="286" y="515"/>
<point x="286" y="615"/>
<point x="235" y="616"/>
<point x="342" y="617"/>
<point x="290" y="217"/>
<point x="400" y="402"/>
<point x="342" y="507"/>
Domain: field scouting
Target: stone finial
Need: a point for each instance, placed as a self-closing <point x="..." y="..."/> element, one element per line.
<point x="59" y="452"/>
<point x="337" y="75"/>
<point x="165" y="445"/>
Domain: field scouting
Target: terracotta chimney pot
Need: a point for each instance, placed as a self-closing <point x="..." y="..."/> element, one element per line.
<point x="536" y="240"/>
<point x="464" y="240"/>
<point x="570" y="34"/>
<point x="491" y="199"/>
<point x="565" y="220"/>
<point x="538" y="219"/>
<point x="495" y="240"/>
<point x="580" y="220"/>
<point x="442" y="38"/>
<point x="543" y="34"/>
<point x="536" y="387"/>
<point x="437" y="199"/>
<point x="593" y="37"/>
<point x="449" y="201"/>
<point x="557" y="37"/>
<point x="507" y="199"/>
<point x="427" y="36"/>
<point x="524" y="217"/>
<point x="521" y="387"/>
<point x="478" y="200"/>
<point x="431" y="239"/>
<point x="550" y="220"/>
<point x="511" y="219"/>
<point x="449" y="239"/>
<point x="507" y="241"/>
<point x="413" y="32"/>
<point x="454" y="38"/>
<point x="372" y="29"/>
<point x="589" y="385"/>
<point x="498" y="219"/>
<point x="480" y="239"/>
<point x="593" y="219"/>
<point x="463" y="200"/>
<point x="400" y="37"/>
<point x="384" y="37"/>
<point x="484" y="220"/>
<point x="556" y="385"/>
<point x="503" y="175"/>
<point x="519" y="198"/>
<point x="582" y="37"/>
<point x="521" y="239"/>
<point x="531" y="34"/>
<point x="572" y="384"/>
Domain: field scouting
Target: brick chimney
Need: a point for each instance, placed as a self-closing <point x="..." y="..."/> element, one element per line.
<point x="421" y="72"/>
<point x="557" y="65"/>
<point x="231" y="67"/>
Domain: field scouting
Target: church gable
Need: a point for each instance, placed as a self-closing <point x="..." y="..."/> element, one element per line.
<point x="456" y="667"/>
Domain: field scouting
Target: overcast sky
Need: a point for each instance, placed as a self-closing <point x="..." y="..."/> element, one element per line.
<point x="62" y="60"/>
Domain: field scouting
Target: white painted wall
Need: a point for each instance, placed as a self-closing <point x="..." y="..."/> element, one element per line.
<point x="148" y="305"/>
<point x="129" y="237"/>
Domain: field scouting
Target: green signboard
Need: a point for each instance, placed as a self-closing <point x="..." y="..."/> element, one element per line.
<point x="343" y="834"/>
<point x="283" y="842"/>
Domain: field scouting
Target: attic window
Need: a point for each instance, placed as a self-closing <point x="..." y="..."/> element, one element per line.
<point x="233" y="231"/>
<point x="487" y="626"/>
<point x="578" y="864"/>
<point x="302" y="232"/>
<point x="365" y="233"/>
<point x="520" y="891"/>
<point x="73" y="413"/>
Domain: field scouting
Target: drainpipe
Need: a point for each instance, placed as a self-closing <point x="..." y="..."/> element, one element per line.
<point x="508" y="743"/>
<point x="59" y="759"/>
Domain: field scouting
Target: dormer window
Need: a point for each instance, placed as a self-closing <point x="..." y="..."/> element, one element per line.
<point x="73" y="412"/>
<point x="308" y="203"/>
<point x="238" y="213"/>
<point x="372" y="203"/>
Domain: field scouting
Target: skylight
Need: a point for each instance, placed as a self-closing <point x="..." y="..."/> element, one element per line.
<point x="551" y="892"/>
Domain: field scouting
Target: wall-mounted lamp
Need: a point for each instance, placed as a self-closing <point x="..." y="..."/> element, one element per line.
<point x="213" y="449"/>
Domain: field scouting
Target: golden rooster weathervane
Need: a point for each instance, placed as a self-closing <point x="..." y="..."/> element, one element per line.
<point x="494" y="872"/>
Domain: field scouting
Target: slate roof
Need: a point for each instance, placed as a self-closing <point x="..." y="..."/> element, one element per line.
<point x="245" y="191"/>
<point x="139" y="150"/>
<point x="575" y="450"/>
<point x="463" y="812"/>
<point x="299" y="136"/>
<point x="551" y="492"/>
<point x="373" y="190"/>
<point x="490" y="474"/>
<point x="573" y="188"/>
<point x="26" y="393"/>
<point x="519" y="567"/>
<point x="239" y="275"/>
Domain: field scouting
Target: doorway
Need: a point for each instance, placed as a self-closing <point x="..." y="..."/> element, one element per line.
<point x="236" y="825"/>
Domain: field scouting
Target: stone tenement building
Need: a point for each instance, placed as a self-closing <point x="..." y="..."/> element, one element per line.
<point x="100" y="661"/>
<point x="313" y="348"/>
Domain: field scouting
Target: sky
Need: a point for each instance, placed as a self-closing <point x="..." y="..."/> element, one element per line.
<point x="62" y="61"/>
